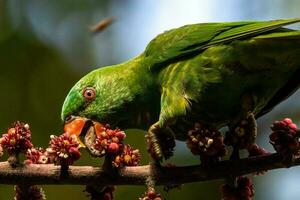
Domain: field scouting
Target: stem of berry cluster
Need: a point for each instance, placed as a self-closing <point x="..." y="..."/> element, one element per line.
<point x="107" y="164"/>
<point x="14" y="160"/>
<point x="64" y="171"/>
<point x="231" y="178"/>
<point x="23" y="189"/>
<point x="96" y="191"/>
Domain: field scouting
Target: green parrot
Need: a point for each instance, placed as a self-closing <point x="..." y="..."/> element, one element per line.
<point x="215" y="74"/>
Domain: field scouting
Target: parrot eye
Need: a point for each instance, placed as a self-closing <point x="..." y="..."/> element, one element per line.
<point x="89" y="93"/>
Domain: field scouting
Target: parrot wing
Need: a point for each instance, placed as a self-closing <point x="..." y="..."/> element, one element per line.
<point x="192" y="39"/>
<point x="173" y="46"/>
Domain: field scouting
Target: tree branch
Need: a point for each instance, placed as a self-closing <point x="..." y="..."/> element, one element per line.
<point x="43" y="174"/>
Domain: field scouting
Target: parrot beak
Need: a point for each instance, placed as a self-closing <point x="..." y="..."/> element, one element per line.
<point x="84" y="128"/>
<point x="75" y="126"/>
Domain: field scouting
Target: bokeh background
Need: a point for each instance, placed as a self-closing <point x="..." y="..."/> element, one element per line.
<point x="46" y="46"/>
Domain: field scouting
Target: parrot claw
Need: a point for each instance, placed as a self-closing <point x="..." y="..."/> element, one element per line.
<point x="161" y="142"/>
<point x="153" y="146"/>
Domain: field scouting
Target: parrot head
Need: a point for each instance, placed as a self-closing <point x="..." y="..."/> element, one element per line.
<point x="110" y="95"/>
<point x="90" y="101"/>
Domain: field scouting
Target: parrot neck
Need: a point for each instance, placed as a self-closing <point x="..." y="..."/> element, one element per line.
<point x="137" y="103"/>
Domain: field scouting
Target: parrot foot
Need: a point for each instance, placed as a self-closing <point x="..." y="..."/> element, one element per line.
<point x="242" y="134"/>
<point x="161" y="142"/>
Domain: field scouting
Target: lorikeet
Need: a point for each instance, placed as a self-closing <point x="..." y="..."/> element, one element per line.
<point x="216" y="74"/>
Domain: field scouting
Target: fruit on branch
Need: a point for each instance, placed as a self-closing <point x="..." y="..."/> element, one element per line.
<point x="102" y="140"/>
<point x="207" y="143"/>
<point x="242" y="191"/>
<point x="151" y="195"/>
<point x="37" y="156"/>
<point x="284" y="138"/>
<point x="34" y="193"/>
<point x="243" y="134"/>
<point x="17" y="139"/>
<point x="127" y="157"/>
<point x="255" y="150"/>
<point x="106" y="194"/>
<point x="286" y="125"/>
<point x="108" y="141"/>
<point x="63" y="149"/>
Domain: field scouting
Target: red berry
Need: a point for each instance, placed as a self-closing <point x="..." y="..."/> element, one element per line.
<point x="11" y="131"/>
<point x="103" y="135"/>
<point x="121" y="135"/>
<point x="110" y="132"/>
<point x="293" y="126"/>
<point x="107" y="197"/>
<point x="74" y="153"/>
<point x="287" y="121"/>
<point x="255" y="150"/>
<point x="151" y="194"/>
<point x="18" y="138"/>
<point x="113" y="148"/>
<point x="115" y="139"/>
<point x="63" y="149"/>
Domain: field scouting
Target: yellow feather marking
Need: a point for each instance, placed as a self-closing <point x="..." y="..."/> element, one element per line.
<point x="171" y="76"/>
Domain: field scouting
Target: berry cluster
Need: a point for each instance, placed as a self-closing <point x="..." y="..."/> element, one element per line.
<point x="127" y="157"/>
<point x="243" y="191"/>
<point x="109" y="141"/>
<point x="206" y="143"/>
<point x="63" y="149"/>
<point x="283" y="137"/>
<point x="34" y="193"/>
<point x="17" y="139"/>
<point x="151" y="195"/>
<point x="37" y="156"/>
<point x="255" y="150"/>
<point x="105" y="194"/>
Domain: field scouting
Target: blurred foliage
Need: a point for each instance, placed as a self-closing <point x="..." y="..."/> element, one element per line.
<point x="35" y="78"/>
<point x="34" y="81"/>
<point x="45" y="47"/>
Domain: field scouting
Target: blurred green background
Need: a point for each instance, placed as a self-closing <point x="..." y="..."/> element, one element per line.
<point x="46" y="46"/>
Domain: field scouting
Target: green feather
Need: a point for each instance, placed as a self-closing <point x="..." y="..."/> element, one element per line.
<point x="178" y="91"/>
<point x="191" y="39"/>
